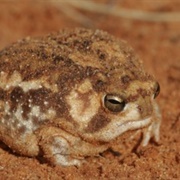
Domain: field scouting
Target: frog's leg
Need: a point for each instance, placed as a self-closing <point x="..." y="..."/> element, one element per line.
<point x="56" y="147"/>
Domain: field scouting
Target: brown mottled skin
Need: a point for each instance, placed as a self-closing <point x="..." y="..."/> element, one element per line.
<point x="66" y="58"/>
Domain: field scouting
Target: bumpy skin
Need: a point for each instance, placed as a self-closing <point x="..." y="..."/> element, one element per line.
<point x="52" y="93"/>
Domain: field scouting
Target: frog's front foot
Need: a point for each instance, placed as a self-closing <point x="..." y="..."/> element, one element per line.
<point x="153" y="130"/>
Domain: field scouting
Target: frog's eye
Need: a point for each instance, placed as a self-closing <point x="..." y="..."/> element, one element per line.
<point x="114" y="103"/>
<point x="157" y="90"/>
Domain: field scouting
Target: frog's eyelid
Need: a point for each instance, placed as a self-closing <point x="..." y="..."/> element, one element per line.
<point x="157" y="90"/>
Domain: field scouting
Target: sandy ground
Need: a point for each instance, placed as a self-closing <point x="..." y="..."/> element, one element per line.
<point x="157" y="43"/>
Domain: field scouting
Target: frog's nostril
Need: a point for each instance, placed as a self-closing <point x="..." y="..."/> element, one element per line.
<point x="145" y="108"/>
<point x="140" y="109"/>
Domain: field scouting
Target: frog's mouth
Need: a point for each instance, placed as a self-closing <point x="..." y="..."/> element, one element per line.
<point x="118" y="128"/>
<point x="132" y="125"/>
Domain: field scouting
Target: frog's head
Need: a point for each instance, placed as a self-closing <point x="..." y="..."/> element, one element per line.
<point x="117" y="97"/>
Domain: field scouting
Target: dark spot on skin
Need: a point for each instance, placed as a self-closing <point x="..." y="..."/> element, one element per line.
<point x="22" y="129"/>
<point x="68" y="62"/>
<point x="132" y="98"/>
<point x="59" y="105"/>
<point x="82" y="44"/>
<point x="33" y="97"/>
<point x="58" y="59"/>
<point x="7" y="117"/>
<point x="125" y="79"/>
<point x="86" y="44"/>
<point x="97" y="123"/>
<point x="2" y="94"/>
<point x="30" y="75"/>
<point x="99" y="85"/>
<point x="39" y="96"/>
<point x="44" y="55"/>
<point x="85" y="97"/>
<point x="26" y="109"/>
<point x="101" y="55"/>
<point x="17" y="94"/>
<point x="143" y="92"/>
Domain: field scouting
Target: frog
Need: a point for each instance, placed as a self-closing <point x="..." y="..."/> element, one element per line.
<point x="67" y="95"/>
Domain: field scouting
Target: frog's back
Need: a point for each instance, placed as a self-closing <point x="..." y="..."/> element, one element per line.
<point x="66" y="51"/>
